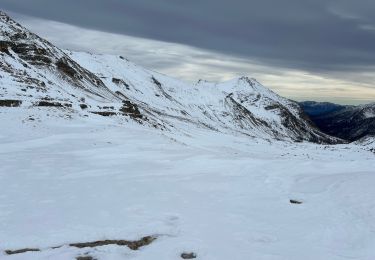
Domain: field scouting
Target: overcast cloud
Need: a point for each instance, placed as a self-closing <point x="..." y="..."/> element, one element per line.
<point x="294" y="46"/>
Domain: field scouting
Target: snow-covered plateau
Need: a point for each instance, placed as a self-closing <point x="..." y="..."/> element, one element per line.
<point x="103" y="159"/>
<point x="221" y="196"/>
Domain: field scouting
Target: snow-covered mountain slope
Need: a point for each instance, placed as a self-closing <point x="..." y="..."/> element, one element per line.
<point x="37" y="73"/>
<point x="33" y="69"/>
<point x="347" y="122"/>
<point x="368" y="142"/>
<point x="220" y="196"/>
<point x="241" y="105"/>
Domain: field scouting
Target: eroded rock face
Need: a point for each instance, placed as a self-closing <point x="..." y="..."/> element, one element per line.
<point x="131" y="109"/>
<point x="4" y="47"/>
<point x="64" y="67"/>
<point x="10" y="103"/>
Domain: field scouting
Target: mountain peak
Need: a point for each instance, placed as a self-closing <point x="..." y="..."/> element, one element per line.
<point x="247" y="79"/>
<point x="40" y="74"/>
<point x="6" y="19"/>
<point x="3" y="14"/>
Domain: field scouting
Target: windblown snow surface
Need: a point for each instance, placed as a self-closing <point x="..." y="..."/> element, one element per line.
<point x="222" y="196"/>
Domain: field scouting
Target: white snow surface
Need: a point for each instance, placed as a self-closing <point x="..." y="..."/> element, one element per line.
<point x="223" y="196"/>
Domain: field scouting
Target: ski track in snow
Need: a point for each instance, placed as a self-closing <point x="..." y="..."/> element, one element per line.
<point x="219" y="195"/>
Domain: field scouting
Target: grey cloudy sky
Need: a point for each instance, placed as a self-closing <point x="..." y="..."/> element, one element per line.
<point x="299" y="47"/>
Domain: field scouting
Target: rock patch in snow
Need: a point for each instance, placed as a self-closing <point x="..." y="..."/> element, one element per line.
<point x="191" y="255"/>
<point x="295" y="201"/>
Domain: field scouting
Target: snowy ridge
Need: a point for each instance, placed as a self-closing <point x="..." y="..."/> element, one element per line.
<point x="368" y="142"/>
<point x="34" y="72"/>
<point x="31" y="64"/>
<point x="241" y="105"/>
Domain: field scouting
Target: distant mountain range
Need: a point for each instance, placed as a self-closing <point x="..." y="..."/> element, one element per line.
<point x="35" y="74"/>
<point x="346" y="122"/>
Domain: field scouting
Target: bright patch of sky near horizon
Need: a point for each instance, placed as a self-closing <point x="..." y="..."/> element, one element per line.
<point x="192" y="63"/>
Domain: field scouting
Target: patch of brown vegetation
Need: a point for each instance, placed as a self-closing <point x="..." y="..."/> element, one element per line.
<point x="133" y="245"/>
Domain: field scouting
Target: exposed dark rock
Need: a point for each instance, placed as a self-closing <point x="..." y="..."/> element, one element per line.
<point x="4" y="47"/>
<point x="242" y="115"/>
<point x="122" y="95"/>
<point x="133" y="245"/>
<point x="162" y="91"/>
<point x="45" y="103"/>
<point x="26" y="51"/>
<point x="156" y="82"/>
<point x="295" y="202"/>
<point x="116" y="80"/>
<point x="104" y="113"/>
<point x="271" y="107"/>
<point x="48" y="98"/>
<point x="131" y="109"/>
<point x="20" y="251"/>
<point x="188" y="255"/>
<point x="65" y="68"/>
<point x="10" y="103"/>
<point x="86" y="257"/>
<point x="83" y="106"/>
